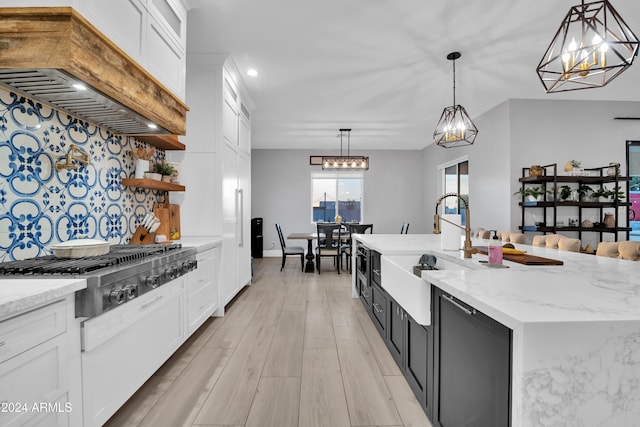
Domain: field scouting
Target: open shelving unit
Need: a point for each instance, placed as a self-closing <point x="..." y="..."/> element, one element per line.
<point x="152" y="184"/>
<point x="549" y="205"/>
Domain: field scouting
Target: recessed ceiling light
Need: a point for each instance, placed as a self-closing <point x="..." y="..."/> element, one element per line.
<point x="152" y="126"/>
<point x="252" y="72"/>
<point x="79" y="86"/>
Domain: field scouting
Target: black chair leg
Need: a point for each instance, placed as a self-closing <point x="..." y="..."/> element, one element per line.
<point x="284" y="257"/>
<point x="338" y="259"/>
<point x="318" y="263"/>
<point x="302" y="262"/>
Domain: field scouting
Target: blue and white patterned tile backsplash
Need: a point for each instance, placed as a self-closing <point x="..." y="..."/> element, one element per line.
<point x="40" y="207"/>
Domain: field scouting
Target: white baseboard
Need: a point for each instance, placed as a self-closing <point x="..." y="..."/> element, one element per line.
<point x="272" y="253"/>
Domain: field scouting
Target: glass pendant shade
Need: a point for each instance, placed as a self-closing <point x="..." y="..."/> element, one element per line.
<point x="455" y="128"/>
<point x="347" y="162"/>
<point x="592" y="47"/>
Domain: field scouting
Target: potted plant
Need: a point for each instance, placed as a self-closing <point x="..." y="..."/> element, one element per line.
<point x="602" y="194"/>
<point x="565" y="193"/>
<point x="531" y="194"/>
<point x="164" y="169"/>
<point x="586" y="193"/>
<point x="616" y="193"/>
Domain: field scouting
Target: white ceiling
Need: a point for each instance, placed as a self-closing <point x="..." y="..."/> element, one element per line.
<point x="379" y="66"/>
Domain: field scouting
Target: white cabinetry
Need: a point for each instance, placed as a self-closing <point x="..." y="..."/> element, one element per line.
<point x="219" y="139"/>
<point x="40" y="367"/>
<point x="124" y="347"/>
<point x="152" y="32"/>
<point x="202" y="289"/>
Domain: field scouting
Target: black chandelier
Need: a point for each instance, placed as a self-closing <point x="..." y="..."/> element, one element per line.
<point x="347" y="162"/>
<point x="455" y="127"/>
<point x="592" y="47"/>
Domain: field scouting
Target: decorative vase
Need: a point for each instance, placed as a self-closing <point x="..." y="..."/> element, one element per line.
<point x="142" y="166"/>
<point x="568" y="167"/>
<point x="614" y="169"/>
<point x="535" y="170"/>
<point x="167" y="178"/>
<point x="609" y="221"/>
<point x="338" y="219"/>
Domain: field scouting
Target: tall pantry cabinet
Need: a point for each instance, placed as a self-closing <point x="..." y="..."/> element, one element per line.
<point x="216" y="166"/>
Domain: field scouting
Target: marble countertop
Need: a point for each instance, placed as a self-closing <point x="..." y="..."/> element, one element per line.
<point x="202" y="243"/>
<point x="17" y="295"/>
<point x="586" y="288"/>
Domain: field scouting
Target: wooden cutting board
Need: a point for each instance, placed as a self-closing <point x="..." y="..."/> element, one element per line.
<point x="525" y="259"/>
<point x="174" y="222"/>
<point x="169" y="216"/>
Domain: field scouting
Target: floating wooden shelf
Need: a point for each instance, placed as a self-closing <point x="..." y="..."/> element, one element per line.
<point x="164" y="142"/>
<point x="152" y="184"/>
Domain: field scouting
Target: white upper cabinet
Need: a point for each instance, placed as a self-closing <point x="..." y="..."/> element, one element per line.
<point x="152" y="32"/>
<point x="236" y="117"/>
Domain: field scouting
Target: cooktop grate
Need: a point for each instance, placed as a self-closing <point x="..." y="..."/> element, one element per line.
<point x="52" y="265"/>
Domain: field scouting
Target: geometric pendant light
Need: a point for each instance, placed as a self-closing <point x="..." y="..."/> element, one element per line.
<point x="455" y="128"/>
<point x="592" y="47"/>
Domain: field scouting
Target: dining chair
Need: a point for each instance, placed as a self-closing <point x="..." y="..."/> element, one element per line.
<point x="346" y="247"/>
<point x="405" y="228"/>
<point x="329" y="236"/>
<point x="289" y="250"/>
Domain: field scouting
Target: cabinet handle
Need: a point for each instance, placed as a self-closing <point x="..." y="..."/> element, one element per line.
<point x="460" y="306"/>
<point x="153" y="301"/>
<point x="377" y="308"/>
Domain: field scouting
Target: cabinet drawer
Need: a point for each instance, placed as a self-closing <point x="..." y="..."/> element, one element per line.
<point x="204" y="275"/>
<point x="376" y="274"/>
<point x="201" y="305"/>
<point x="37" y="375"/>
<point x="364" y="290"/>
<point x="27" y="330"/>
<point x="379" y="309"/>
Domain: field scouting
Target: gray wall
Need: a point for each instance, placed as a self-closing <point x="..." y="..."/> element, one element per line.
<point x="281" y="191"/>
<point x="488" y="171"/>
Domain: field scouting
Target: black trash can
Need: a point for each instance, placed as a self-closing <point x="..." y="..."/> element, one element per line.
<point x="256" y="238"/>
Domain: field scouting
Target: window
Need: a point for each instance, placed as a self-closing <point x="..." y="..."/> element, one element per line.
<point x="455" y="179"/>
<point x="333" y="194"/>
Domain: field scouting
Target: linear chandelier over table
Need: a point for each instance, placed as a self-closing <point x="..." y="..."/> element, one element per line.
<point x="347" y="162"/>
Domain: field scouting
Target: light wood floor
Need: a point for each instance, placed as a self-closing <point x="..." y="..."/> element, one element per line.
<point x="294" y="349"/>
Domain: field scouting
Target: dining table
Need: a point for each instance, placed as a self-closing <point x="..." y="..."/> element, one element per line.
<point x="309" y="237"/>
<point x="309" y="267"/>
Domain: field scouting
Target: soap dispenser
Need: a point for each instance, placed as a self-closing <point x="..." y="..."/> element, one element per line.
<point x="495" y="251"/>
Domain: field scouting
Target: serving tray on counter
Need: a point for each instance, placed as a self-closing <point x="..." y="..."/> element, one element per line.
<point x="525" y="259"/>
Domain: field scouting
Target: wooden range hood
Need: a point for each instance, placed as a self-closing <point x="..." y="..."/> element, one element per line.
<point x="44" y="50"/>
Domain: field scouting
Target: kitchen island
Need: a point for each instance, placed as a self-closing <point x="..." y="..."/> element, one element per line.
<point x="574" y="329"/>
